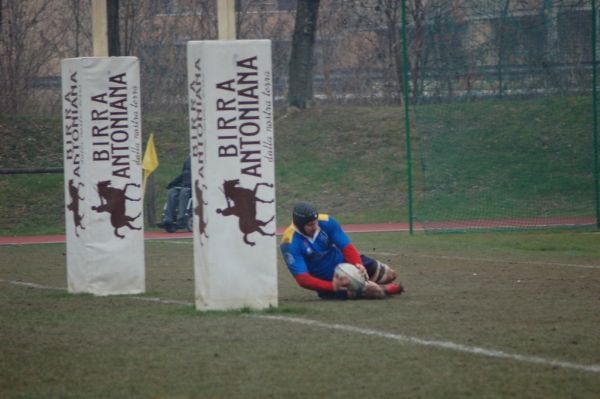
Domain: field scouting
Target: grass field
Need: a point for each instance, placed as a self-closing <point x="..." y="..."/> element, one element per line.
<point x="506" y="159"/>
<point x="491" y="315"/>
<point x="485" y="316"/>
<point x="486" y="159"/>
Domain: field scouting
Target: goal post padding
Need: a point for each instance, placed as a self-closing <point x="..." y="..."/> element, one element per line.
<point x="103" y="175"/>
<point x="232" y="151"/>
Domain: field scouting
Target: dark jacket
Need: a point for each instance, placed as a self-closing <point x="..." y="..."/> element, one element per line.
<point x="185" y="178"/>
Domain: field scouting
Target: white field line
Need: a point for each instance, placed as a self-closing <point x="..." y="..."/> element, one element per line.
<point x="31" y="285"/>
<point x="540" y="263"/>
<point x="160" y="300"/>
<point x="593" y="368"/>
<point x="137" y="298"/>
<point x="456" y="258"/>
<point x="492" y="353"/>
<point x="189" y="242"/>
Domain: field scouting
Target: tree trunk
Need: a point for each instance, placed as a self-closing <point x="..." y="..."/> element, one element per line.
<point x="418" y="16"/>
<point x="112" y="16"/>
<point x="502" y="47"/>
<point x="301" y="59"/>
<point x="392" y="10"/>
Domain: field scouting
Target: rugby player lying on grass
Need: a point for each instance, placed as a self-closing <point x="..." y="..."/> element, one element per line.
<point x="314" y="244"/>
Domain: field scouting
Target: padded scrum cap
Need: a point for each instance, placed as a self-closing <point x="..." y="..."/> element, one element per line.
<point x="303" y="214"/>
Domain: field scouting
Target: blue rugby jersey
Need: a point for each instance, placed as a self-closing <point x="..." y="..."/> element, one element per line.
<point x="319" y="255"/>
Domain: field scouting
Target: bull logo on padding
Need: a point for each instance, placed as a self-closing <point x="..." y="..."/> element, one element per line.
<point x="113" y="200"/>
<point x="74" y="205"/>
<point x="241" y="202"/>
<point x="199" y="209"/>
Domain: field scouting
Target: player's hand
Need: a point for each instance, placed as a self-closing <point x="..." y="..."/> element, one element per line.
<point x="363" y="271"/>
<point x="340" y="283"/>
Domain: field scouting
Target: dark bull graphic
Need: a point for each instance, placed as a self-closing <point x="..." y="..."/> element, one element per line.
<point x="74" y="205"/>
<point x="244" y="207"/>
<point x="112" y="200"/>
<point x="199" y="209"/>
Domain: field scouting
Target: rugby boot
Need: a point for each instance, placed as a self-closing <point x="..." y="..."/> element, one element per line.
<point x="393" y="289"/>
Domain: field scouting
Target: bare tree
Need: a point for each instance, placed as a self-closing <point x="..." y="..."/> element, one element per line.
<point x="76" y="13"/>
<point x="301" y="59"/>
<point x="74" y="17"/>
<point x="374" y="26"/>
<point x="27" y="47"/>
<point x="383" y="19"/>
<point x="258" y="19"/>
<point x="417" y="12"/>
<point x="157" y="34"/>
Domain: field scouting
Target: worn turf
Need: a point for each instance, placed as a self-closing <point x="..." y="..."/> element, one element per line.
<point x="535" y="295"/>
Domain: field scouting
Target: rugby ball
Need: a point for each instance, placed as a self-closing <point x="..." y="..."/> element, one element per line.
<point x="357" y="281"/>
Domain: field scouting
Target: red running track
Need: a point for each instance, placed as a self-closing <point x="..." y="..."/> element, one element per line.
<point x="355" y="228"/>
<point x="161" y="235"/>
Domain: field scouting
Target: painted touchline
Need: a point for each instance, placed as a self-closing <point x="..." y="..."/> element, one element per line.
<point x="592" y="368"/>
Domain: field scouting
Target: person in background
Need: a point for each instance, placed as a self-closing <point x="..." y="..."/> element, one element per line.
<point x="314" y="244"/>
<point x="180" y="192"/>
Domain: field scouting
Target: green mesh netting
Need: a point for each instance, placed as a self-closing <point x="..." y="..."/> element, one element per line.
<point x="502" y="94"/>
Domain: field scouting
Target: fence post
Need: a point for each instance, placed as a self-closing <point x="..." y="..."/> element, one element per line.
<point x="595" y="115"/>
<point x="405" y="84"/>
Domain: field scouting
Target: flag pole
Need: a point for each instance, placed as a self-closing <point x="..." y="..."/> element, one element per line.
<point x="149" y="165"/>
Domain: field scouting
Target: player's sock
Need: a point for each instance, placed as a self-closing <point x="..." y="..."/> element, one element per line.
<point x="393" y="289"/>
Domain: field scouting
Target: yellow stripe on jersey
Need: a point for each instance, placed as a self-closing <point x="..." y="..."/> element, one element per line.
<point x="288" y="234"/>
<point x="323" y="217"/>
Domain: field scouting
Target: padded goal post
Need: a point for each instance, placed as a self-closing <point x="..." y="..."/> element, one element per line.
<point x="103" y="175"/>
<point x="233" y="176"/>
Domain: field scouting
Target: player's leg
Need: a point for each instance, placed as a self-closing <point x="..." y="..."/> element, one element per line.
<point x="378" y="271"/>
<point x="382" y="276"/>
<point x="370" y="291"/>
<point x="169" y="213"/>
<point x="184" y="195"/>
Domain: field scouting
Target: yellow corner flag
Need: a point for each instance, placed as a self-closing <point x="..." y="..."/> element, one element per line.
<point x="150" y="162"/>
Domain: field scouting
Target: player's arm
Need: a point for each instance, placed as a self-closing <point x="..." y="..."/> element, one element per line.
<point x="351" y="255"/>
<point x="297" y="266"/>
<point x="308" y="281"/>
<point x="342" y="241"/>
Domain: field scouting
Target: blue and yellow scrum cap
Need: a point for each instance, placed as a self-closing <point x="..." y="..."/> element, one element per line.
<point x="303" y="214"/>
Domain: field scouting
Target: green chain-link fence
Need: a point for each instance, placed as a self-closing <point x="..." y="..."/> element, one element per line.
<point x="502" y="99"/>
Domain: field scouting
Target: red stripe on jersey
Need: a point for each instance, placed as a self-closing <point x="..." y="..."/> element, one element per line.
<point x="351" y="254"/>
<point x="305" y="280"/>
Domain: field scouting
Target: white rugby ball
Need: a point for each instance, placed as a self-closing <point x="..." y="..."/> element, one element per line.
<point x="357" y="281"/>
